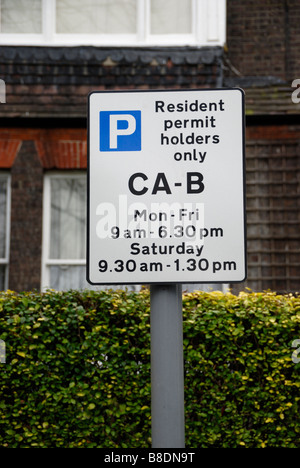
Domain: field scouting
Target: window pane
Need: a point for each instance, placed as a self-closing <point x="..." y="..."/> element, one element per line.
<point x="96" y="16"/>
<point x="3" y="191"/>
<point x="63" y="278"/>
<point x="21" y="16"/>
<point x="68" y="218"/>
<point x="171" y="16"/>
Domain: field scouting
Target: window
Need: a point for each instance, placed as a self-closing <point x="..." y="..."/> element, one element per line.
<point x="21" y="17"/>
<point x="113" y="22"/>
<point x="4" y="229"/>
<point x="64" y="232"/>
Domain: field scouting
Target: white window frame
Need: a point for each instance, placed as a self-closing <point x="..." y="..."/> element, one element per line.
<point x="209" y="29"/>
<point x="5" y="260"/>
<point x="47" y="262"/>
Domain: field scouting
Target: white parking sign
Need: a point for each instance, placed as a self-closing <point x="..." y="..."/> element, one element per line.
<point x="166" y="201"/>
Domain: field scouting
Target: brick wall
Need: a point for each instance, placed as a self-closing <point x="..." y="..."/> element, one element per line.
<point x="264" y="37"/>
<point x="273" y="208"/>
<point x="60" y="148"/>
<point x="26" y="219"/>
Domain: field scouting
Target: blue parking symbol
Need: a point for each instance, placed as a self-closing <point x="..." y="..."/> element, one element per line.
<point x="120" y="131"/>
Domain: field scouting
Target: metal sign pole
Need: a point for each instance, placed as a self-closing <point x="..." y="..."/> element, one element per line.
<point x="167" y="368"/>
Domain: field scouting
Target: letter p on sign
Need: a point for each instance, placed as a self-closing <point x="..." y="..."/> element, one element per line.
<point x="120" y="131"/>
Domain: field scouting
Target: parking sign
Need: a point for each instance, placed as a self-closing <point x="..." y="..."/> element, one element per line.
<point x="166" y="201"/>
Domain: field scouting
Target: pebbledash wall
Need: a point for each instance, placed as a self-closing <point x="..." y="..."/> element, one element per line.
<point x="43" y="141"/>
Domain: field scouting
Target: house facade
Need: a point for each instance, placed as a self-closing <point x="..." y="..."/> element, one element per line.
<point x="53" y="53"/>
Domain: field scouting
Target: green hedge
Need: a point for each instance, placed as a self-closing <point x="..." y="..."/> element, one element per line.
<point x="77" y="371"/>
